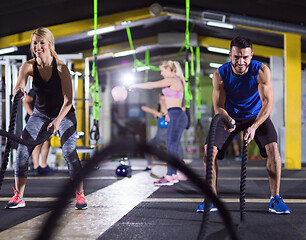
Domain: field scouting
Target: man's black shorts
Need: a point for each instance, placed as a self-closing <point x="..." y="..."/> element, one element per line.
<point x="265" y="134"/>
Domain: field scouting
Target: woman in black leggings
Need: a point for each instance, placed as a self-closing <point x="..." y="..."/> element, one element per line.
<point x="53" y="108"/>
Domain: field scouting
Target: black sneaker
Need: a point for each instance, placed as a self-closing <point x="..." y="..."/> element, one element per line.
<point x="148" y="169"/>
<point x="36" y="171"/>
<point x="45" y="171"/>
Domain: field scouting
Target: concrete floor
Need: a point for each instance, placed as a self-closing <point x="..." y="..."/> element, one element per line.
<point x="133" y="208"/>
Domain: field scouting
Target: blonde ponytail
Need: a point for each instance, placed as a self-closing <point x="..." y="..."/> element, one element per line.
<point x="176" y="67"/>
<point x="179" y="71"/>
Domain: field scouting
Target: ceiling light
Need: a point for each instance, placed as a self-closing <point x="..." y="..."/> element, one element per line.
<point x="140" y="69"/>
<point x="215" y="65"/>
<point x="101" y="30"/>
<point x="8" y="50"/>
<point x="220" y="24"/>
<point x="128" y="79"/>
<point x="125" y="22"/>
<point x="124" y="53"/>
<point x="218" y="50"/>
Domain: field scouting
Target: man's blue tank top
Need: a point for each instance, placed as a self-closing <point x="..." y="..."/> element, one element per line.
<point x="242" y="97"/>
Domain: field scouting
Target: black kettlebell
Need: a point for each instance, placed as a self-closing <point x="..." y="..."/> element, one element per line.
<point x="124" y="169"/>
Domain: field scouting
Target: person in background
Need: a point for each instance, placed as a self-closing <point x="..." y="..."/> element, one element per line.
<point x="42" y="149"/>
<point x="173" y="89"/>
<point x="236" y="148"/>
<point x="162" y="125"/>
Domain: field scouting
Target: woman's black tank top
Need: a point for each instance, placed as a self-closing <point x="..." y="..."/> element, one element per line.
<point x="49" y="100"/>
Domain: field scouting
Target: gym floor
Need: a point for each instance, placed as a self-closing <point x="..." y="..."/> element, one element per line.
<point x="132" y="208"/>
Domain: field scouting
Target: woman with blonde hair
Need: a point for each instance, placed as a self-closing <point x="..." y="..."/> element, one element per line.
<point x="173" y="89"/>
<point x="53" y="108"/>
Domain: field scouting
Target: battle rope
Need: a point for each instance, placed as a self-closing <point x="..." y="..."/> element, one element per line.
<point x="209" y="165"/>
<point x="12" y="137"/>
<point x="94" y="89"/>
<point x="8" y="145"/>
<point x="19" y="140"/>
<point x="123" y="148"/>
<point x="244" y="161"/>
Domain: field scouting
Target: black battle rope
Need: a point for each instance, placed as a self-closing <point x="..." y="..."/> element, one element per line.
<point x="12" y="137"/>
<point x="209" y="165"/>
<point x="8" y="145"/>
<point x="244" y="161"/>
<point x="17" y="139"/>
<point x="123" y="148"/>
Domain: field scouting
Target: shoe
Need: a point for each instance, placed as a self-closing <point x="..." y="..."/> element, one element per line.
<point x="175" y="178"/>
<point x="181" y="176"/>
<point x="81" y="203"/>
<point x="45" y="171"/>
<point x="278" y="206"/>
<point x="238" y="158"/>
<point x="200" y="208"/>
<point x="164" y="181"/>
<point x="36" y="171"/>
<point x="148" y="169"/>
<point x="16" y="201"/>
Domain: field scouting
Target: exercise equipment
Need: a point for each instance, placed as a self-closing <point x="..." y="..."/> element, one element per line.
<point x="94" y="89"/>
<point x="55" y="141"/>
<point x="198" y="94"/>
<point x="162" y="123"/>
<point x="119" y="93"/>
<point x="124" y="169"/>
<point x="209" y="164"/>
<point x="125" y="147"/>
<point x="11" y="137"/>
<point x="244" y="161"/>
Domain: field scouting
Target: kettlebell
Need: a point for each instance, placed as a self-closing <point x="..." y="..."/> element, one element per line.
<point x="124" y="169"/>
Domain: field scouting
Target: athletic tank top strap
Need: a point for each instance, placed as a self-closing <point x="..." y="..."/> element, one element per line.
<point x="242" y="96"/>
<point x="170" y="93"/>
<point x="180" y="81"/>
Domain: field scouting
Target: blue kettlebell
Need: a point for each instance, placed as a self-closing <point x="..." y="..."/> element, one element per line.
<point x="162" y="123"/>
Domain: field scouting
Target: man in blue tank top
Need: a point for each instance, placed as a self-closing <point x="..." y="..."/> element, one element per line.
<point x="243" y="92"/>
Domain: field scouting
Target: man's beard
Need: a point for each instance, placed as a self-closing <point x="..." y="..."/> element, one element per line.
<point x="240" y="73"/>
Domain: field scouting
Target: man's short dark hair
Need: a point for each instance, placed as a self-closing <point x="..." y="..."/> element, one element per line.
<point x="241" y="42"/>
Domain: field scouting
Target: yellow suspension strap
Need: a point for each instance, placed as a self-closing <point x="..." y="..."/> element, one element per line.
<point x="94" y="89"/>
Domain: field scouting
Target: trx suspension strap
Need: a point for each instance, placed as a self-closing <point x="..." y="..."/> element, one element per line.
<point x="198" y="86"/>
<point x="94" y="89"/>
<point x="138" y="63"/>
<point x="147" y="62"/>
